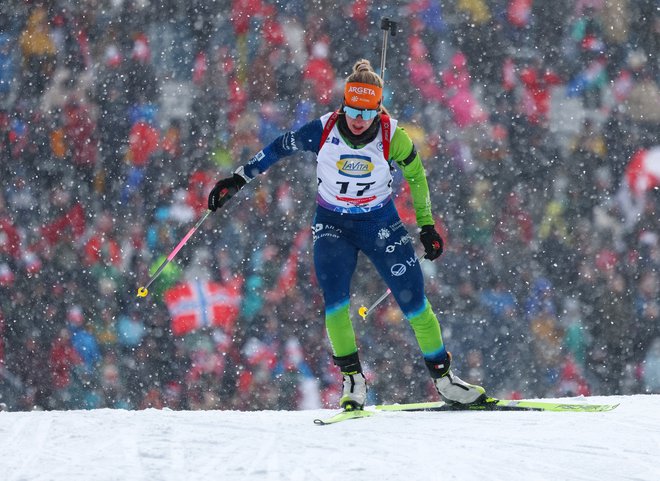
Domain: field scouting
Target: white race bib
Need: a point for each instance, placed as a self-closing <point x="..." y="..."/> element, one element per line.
<point x="353" y="180"/>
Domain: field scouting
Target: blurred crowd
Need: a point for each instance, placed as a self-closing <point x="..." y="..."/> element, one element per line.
<point x="116" y="118"/>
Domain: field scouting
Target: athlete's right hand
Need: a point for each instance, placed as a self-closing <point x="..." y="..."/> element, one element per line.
<point x="432" y="242"/>
<point x="224" y="190"/>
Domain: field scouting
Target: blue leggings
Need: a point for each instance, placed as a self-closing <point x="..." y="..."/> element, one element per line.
<point x="383" y="238"/>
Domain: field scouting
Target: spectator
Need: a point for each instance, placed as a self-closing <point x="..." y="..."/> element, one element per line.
<point x="38" y="51"/>
<point x="651" y="373"/>
<point x="62" y="361"/>
<point x="112" y="100"/>
<point x="644" y="105"/>
<point x="320" y="72"/>
<point x="81" y="137"/>
<point x="7" y="67"/>
<point x="141" y="82"/>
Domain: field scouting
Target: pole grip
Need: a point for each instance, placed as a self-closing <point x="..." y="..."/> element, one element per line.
<point x="387" y="26"/>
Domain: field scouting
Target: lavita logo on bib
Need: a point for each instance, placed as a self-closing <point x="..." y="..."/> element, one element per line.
<point x="355" y="166"/>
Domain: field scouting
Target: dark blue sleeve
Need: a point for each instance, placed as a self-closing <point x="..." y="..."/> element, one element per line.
<point x="306" y="138"/>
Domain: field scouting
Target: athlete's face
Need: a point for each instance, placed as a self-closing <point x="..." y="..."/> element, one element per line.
<point x="359" y="125"/>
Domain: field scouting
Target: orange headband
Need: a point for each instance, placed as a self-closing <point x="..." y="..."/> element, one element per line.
<point x="362" y="96"/>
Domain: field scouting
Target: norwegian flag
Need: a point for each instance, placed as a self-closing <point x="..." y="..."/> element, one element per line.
<point x="258" y="352"/>
<point x="198" y="304"/>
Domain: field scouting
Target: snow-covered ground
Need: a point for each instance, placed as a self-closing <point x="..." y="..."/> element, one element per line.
<point x="152" y="445"/>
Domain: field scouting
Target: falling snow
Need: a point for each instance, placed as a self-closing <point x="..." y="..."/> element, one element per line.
<point x="537" y="123"/>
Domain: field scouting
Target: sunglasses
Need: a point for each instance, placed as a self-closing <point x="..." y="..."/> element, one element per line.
<point x="355" y="113"/>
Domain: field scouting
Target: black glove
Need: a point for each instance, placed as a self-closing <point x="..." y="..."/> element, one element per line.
<point x="432" y="242"/>
<point x="224" y="190"/>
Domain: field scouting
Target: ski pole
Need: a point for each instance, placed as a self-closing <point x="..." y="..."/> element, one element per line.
<point x="364" y="312"/>
<point x="143" y="291"/>
<point x="386" y="25"/>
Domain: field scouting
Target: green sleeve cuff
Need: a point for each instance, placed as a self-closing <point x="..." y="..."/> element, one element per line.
<point x="414" y="173"/>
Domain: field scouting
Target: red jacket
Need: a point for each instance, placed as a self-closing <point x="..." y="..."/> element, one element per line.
<point x="102" y="249"/>
<point x="80" y="133"/>
<point x="320" y="73"/>
<point x="63" y="357"/>
<point x="143" y="141"/>
<point x="72" y="223"/>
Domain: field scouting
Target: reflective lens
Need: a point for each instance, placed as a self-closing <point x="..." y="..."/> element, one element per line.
<point x="355" y="113"/>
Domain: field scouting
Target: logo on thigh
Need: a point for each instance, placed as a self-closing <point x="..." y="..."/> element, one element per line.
<point x="403" y="241"/>
<point x="320" y="230"/>
<point x="398" y="270"/>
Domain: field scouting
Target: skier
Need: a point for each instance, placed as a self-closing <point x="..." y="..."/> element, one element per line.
<point x="355" y="148"/>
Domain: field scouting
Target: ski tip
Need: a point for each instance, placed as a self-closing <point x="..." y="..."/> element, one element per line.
<point x="344" y="416"/>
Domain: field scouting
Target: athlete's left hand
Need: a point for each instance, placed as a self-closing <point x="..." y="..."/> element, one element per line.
<point x="432" y="242"/>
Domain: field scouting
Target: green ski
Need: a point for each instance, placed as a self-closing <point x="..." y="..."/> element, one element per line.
<point x="493" y="404"/>
<point x="490" y="404"/>
<point x="344" y="416"/>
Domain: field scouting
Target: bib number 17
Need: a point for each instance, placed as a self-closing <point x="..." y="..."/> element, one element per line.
<point x="364" y="186"/>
